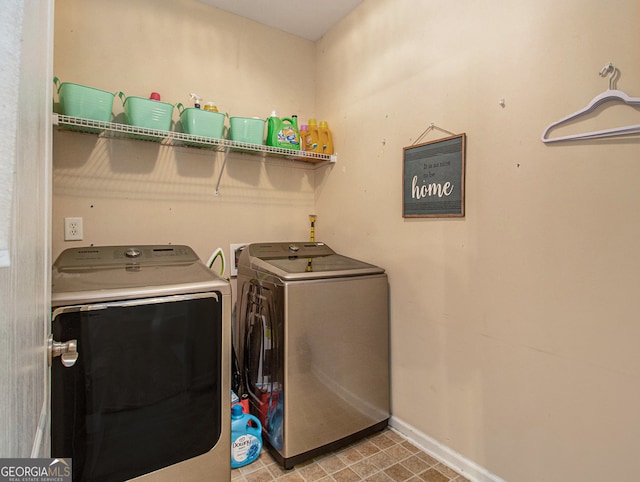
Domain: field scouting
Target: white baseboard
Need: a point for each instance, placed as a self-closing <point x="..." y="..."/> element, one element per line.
<point x="444" y="454"/>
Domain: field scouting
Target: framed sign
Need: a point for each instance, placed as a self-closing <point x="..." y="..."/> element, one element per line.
<point x="433" y="178"/>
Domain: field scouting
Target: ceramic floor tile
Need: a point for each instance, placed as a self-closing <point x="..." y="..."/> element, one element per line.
<point x="367" y="448"/>
<point x="460" y="478"/>
<point x="398" y="473"/>
<point x="312" y="473"/>
<point x="382" y="441"/>
<point x="432" y="475"/>
<point x="346" y="475"/>
<point x="382" y="457"/>
<point x="415" y="464"/>
<point x="364" y="468"/>
<point x="452" y="474"/>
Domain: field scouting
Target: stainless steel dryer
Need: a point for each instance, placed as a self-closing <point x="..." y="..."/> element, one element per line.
<point x="313" y="345"/>
<point x="141" y="387"/>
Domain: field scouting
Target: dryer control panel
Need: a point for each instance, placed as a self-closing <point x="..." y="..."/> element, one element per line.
<point x="94" y="256"/>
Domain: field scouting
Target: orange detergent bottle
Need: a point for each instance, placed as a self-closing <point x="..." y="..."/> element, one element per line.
<point x="313" y="137"/>
<point x="326" y="140"/>
<point x="304" y="130"/>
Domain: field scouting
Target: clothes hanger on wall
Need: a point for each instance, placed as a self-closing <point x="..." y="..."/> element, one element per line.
<point x="431" y="127"/>
<point x="611" y="94"/>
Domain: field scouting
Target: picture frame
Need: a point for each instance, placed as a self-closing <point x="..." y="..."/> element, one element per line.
<point x="433" y="178"/>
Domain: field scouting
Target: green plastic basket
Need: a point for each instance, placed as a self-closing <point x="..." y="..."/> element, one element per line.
<point x="247" y="129"/>
<point x="199" y="122"/>
<point x="86" y="102"/>
<point x="147" y="113"/>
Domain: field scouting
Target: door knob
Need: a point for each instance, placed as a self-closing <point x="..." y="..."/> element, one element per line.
<point x="67" y="351"/>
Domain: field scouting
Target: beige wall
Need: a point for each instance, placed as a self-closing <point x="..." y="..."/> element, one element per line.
<point x="132" y="192"/>
<point x="514" y="329"/>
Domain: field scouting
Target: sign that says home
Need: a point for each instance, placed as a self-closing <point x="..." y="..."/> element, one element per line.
<point x="433" y="178"/>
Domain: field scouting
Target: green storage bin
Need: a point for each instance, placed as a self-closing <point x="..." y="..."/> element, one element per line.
<point x="247" y="129"/>
<point x="85" y="102"/>
<point x="199" y="122"/>
<point x="147" y="113"/>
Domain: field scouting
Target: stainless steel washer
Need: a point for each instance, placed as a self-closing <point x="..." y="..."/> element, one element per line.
<point x="313" y="346"/>
<point x="141" y="387"/>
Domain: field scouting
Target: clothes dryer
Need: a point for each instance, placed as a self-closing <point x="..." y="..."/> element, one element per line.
<point x="313" y="346"/>
<point x="141" y="386"/>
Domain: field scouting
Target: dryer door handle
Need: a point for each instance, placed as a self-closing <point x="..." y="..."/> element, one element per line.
<point x="67" y="351"/>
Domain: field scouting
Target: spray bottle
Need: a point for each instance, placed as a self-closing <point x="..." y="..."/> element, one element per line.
<point x="196" y="100"/>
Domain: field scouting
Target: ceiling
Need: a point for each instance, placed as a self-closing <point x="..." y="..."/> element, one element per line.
<point x="309" y="19"/>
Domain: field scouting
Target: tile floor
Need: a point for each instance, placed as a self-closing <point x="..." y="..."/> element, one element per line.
<point x="382" y="457"/>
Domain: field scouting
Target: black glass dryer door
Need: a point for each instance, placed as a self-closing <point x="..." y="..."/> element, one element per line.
<point x="145" y="391"/>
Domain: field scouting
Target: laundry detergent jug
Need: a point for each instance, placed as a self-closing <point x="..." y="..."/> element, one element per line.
<point x="326" y="139"/>
<point x="246" y="437"/>
<point x="312" y="140"/>
<point x="283" y="133"/>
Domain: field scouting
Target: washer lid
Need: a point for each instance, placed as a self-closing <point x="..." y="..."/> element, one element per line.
<point x="305" y="260"/>
<point x="102" y="273"/>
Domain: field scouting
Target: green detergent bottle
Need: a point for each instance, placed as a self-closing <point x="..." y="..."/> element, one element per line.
<point x="283" y="132"/>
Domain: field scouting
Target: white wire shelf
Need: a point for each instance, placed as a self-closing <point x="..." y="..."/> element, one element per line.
<point x="172" y="138"/>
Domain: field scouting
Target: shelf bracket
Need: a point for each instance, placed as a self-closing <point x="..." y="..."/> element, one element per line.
<point x="224" y="163"/>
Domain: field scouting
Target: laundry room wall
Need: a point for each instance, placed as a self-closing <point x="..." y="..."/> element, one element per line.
<point x="135" y="192"/>
<point x="514" y="328"/>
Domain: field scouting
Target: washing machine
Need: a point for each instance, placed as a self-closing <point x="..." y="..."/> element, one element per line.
<point x="312" y="340"/>
<point x="140" y="364"/>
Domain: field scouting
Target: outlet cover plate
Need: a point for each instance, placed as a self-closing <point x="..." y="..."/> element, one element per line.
<point x="234" y="254"/>
<point x="73" y="229"/>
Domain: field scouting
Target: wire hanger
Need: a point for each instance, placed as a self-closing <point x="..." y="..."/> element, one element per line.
<point x="431" y="127"/>
<point x="610" y="94"/>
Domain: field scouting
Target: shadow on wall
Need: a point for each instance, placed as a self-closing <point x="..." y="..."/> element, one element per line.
<point x="87" y="165"/>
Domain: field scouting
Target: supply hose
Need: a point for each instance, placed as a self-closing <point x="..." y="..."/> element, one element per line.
<point x="218" y="253"/>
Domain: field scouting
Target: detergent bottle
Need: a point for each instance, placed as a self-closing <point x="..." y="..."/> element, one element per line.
<point x="246" y="437"/>
<point x="313" y="137"/>
<point x="211" y="107"/>
<point x="304" y="132"/>
<point x="282" y="133"/>
<point x="325" y="138"/>
<point x="272" y="125"/>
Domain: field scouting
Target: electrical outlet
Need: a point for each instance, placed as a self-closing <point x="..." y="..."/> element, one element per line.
<point x="234" y="256"/>
<point x="73" y="229"/>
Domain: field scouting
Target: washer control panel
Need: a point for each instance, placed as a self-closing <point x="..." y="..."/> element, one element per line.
<point x="286" y="250"/>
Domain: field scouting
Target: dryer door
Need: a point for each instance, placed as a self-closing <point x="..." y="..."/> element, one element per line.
<point x="145" y="392"/>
